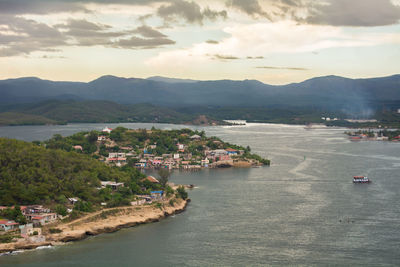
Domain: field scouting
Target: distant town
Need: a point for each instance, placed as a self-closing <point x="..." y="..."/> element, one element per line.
<point x="182" y="149"/>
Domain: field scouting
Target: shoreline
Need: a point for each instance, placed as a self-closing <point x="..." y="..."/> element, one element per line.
<point x="104" y="221"/>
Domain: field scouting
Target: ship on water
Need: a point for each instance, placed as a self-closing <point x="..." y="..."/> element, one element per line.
<point x="360" y="179"/>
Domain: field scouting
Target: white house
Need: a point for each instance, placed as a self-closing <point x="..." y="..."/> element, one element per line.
<point x="107" y="130"/>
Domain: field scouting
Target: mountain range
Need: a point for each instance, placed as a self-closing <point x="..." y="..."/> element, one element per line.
<point x="358" y="97"/>
<point x="331" y="92"/>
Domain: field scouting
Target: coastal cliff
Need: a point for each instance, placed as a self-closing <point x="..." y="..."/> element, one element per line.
<point x="104" y="221"/>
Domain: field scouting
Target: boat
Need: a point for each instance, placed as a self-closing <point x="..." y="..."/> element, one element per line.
<point x="360" y="179"/>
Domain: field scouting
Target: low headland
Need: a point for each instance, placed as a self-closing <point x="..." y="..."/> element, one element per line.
<point x="95" y="223"/>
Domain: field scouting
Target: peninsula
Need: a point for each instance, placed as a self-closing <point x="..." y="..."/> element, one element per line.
<point x="67" y="188"/>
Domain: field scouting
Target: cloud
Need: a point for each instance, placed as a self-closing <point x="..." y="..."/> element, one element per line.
<point x="149" y="38"/>
<point x="86" y="33"/>
<point x="281" y="68"/>
<point x="224" y="57"/>
<point x="212" y="42"/>
<point x="356" y="13"/>
<point x="265" y="39"/>
<point x="24" y="36"/>
<point x="149" y="32"/>
<point x="20" y="36"/>
<point x="189" y="11"/>
<point x="39" y="6"/>
<point x="137" y="42"/>
<point x="250" y="7"/>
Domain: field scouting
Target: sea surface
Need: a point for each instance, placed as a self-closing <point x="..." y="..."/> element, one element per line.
<point x="302" y="210"/>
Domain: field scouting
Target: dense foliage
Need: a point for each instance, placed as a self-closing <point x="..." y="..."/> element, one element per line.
<point x="31" y="174"/>
<point x="61" y="112"/>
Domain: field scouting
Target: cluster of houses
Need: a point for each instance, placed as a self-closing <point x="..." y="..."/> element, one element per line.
<point x="185" y="160"/>
<point x="182" y="159"/>
<point x="37" y="215"/>
<point x="357" y="136"/>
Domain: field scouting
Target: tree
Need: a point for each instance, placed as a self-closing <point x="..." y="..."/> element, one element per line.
<point x="62" y="210"/>
<point x="181" y="192"/>
<point x="164" y="175"/>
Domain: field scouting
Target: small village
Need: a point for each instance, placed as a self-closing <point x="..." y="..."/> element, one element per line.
<point x="393" y="136"/>
<point x="32" y="218"/>
<point x="208" y="153"/>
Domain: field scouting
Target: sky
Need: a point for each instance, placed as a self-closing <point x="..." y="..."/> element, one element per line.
<point x="273" y="41"/>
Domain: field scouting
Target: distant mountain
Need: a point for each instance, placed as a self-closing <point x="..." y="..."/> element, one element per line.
<point x="96" y="111"/>
<point x="330" y="93"/>
<point x="170" y="80"/>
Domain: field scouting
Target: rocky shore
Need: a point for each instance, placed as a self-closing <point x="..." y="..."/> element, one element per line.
<point x="104" y="221"/>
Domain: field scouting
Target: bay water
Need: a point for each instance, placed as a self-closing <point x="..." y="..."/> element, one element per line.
<point x="302" y="210"/>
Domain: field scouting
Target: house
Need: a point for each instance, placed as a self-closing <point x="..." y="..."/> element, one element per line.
<point x="152" y="146"/>
<point x="36" y="209"/>
<point x="140" y="165"/>
<point x="42" y="219"/>
<point x="101" y="138"/>
<point x="156" y="195"/>
<point x="113" y="185"/>
<point x="73" y="200"/>
<point x="176" y="156"/>
<point x="195" y="137"/>
<point x="205" y="162"/>
<point x="224" y="157"/>
<point x="157" y="161"/>
<point x="117" y="155"/>
<point x="7" y="225"/>
<point x="231" y="151"/>
<point x="27" y="230"/>
<point x="116" y="160"/>
<point x="138" y="202"/>
<point x="77" y="147"/>
<point x="180" y="146"/>
<point x="146" y="198"/>
<point x="107" y="130"/>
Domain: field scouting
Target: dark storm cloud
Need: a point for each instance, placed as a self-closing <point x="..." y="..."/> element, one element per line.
<point x="189" y="11"/>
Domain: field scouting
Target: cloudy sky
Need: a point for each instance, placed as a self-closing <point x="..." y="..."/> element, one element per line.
<point x="274" y="41"/>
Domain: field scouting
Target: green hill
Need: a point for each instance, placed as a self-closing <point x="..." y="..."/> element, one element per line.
<point x="32" y="174"/>
<point x="70" y="111"/>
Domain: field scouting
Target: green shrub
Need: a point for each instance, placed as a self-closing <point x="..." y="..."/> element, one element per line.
<point x="181" y="192"/>
<point x="55" y="230"/>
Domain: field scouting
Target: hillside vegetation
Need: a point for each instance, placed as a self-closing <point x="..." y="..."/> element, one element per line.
<point x="61" y="112"/>
<point x="32" y="174"/>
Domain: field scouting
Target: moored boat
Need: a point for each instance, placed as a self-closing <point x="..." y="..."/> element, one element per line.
<point x="360" y="179"/>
